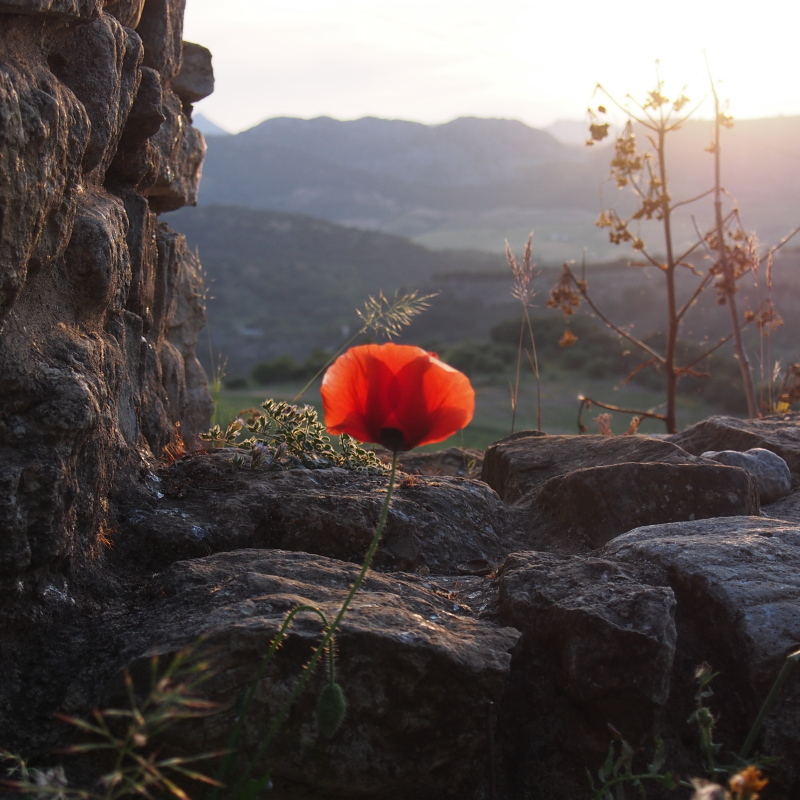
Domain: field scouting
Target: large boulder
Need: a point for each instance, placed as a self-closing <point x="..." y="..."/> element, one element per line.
<point x="737" y="586"/>
<point x="571" y="494"/>
<point x="517" y="467"/>
<point x="589" y="507"/>
<point x="435" y="525"/>
<point x="597" y="647"/>
<point x="419" y="673"/>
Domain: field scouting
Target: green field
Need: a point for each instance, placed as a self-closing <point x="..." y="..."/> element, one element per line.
<point x="492" y="421"/>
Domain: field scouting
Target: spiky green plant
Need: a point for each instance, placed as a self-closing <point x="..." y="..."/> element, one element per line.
<point x="130" y="738"/>
<point x="286" y="436"/>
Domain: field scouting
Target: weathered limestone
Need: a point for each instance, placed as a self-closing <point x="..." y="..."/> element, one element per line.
<point x="100" y="306"/>
<point x="196" y="78"/>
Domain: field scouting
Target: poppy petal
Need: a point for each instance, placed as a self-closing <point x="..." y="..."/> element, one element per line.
<point x="376" y="389"/>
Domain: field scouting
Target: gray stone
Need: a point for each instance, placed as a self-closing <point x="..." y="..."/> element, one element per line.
<point x="100" y="62"/>
<point x="737" y="584"/>
<point x="180" y="150"/>
<point x="418" y="674"/>
<point x="780" y="434"/>
<point x="128" y="12"/>
<point x="517" y="467"/>
<point x="43" y="134"/>
<point x="434" y="525"/>
<point x="597" y="638"/>
<point x="196" y="78"/>
<point x="593" y="505"/>
<point x="136" y="161"/>
<point x="99" y="309"/>
<point x="161" y="29"/>
<point x="71" y="9"/>
<point x="770" y="470"/>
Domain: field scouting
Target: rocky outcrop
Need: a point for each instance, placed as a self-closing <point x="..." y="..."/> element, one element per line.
<point x="473" y="664"/>
<point x="512" y="626"/>
<point x="100" y="303"/>
<point x="434" y="525"/>
<point x="572" y="494"/>
<point x="419" y="672"/>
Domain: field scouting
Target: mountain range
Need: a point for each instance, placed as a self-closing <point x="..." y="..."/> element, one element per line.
<point x="473" y="183"/>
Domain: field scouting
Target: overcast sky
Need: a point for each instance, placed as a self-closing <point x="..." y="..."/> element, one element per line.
<point x="435" y="60"/>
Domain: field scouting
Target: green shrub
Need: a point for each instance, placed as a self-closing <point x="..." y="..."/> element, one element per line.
<point x="235" y="382"/>
<point x="484" y="358"/>
<point x="282" y="368"/>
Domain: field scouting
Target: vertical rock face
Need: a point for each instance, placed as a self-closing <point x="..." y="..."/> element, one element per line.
<point x="100" y="304"/>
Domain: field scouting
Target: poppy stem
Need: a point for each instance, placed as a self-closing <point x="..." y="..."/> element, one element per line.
<point x="322" y="647"/>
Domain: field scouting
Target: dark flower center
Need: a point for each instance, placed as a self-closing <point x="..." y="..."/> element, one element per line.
<point x="393" y="439"/>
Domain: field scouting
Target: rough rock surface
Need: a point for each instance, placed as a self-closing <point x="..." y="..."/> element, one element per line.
<point x="609" y="640"/>
<point x="517" y="467"/>
<point x="573" y="493"/>
<point x="491" y="665"/>
<point x="588" y="507"/>
<point x="434" y="526"/>
<point x="196" y="78"/>
<point x="418" y="671"/>
<point x="100" y="304"/>
<point x="737" y="586"/>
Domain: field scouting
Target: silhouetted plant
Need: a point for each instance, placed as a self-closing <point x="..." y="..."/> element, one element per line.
<point x="524" y="272"/>
<point x="731" y="251"/>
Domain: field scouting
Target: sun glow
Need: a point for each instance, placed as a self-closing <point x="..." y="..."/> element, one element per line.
<point x="433" y="60"/>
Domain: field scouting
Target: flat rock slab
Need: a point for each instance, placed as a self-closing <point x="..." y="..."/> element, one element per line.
<point x="780" y="434"/>
<point x="589" y="507"/>
<point x="598" y="636"/>
<point x="519" y="466"/>
<point x="435" y="524"/>
<point x="418" y="671"/>
<point x="737" y="584"/>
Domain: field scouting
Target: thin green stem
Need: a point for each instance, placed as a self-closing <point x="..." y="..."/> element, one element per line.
<point x="329" y="362"/>
<point x="328" y="638"/>
<point x="766" y="707"/>
<point x="244" y="706"/>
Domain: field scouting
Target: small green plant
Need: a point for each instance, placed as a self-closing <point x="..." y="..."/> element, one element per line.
<point x="704" y="719"/>
<point x="285" y="436"/>
<point x="130" y="738"/>
<point x="744" y="775"/>
<point x="617" y="770"/>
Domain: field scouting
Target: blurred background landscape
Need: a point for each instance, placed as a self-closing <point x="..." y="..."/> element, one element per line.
<point x="300" y="221"/>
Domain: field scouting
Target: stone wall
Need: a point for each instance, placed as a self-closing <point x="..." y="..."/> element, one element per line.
<point x="100" y="303"/>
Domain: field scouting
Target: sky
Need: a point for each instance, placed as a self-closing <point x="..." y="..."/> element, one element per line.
<point x="432" y="61"/>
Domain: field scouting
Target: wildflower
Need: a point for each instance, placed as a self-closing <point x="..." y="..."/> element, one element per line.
<point x="395" y="395"/>
<point x="746" y="784"/>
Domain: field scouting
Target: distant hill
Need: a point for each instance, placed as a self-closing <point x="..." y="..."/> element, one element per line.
<point x="283" y="283"/>
<point x="207" y="127"/>
<point x="472" y="183"/>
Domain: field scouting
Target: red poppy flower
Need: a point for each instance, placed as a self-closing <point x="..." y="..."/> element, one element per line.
<point x="395" y="395"/>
